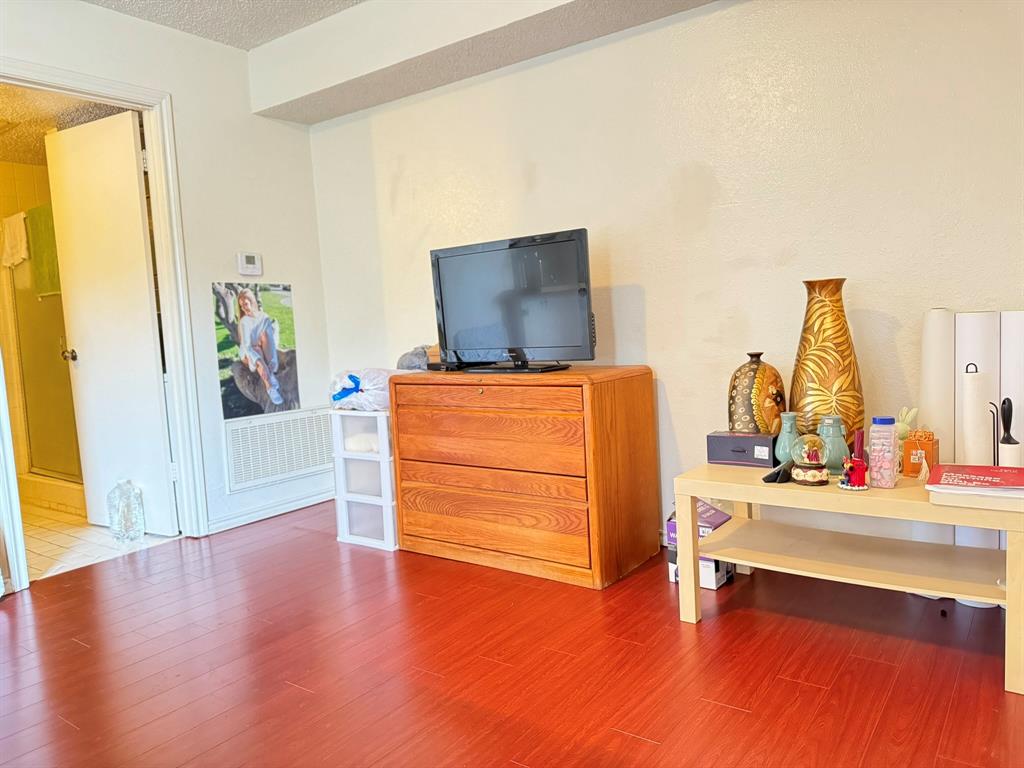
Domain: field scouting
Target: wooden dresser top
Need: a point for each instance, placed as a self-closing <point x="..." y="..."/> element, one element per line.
<point x="576" y="375"/>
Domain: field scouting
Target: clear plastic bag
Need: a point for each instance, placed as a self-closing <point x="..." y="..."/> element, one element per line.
<point x="364" y="389"/>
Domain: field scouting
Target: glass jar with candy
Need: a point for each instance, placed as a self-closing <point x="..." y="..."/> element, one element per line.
<point x="883" y="445"/>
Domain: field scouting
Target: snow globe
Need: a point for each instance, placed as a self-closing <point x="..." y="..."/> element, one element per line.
<point x="810" y="457"/>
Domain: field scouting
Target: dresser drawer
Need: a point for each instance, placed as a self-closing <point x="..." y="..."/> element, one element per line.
<point x="484" y="396"/>
<point x="535" y="442"/>
<point x="495" y="480"/>
<point x="552" y="530"/>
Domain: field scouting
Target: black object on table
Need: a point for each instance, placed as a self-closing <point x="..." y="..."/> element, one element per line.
<point x="781" y="474"/>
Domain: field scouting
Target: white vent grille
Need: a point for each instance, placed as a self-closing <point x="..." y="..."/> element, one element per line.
<point x="280" y="446"/>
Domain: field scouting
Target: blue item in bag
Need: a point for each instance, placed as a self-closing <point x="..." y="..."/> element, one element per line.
<point x="347" y="391"/>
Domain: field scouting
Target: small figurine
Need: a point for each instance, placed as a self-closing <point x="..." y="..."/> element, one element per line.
<point x="855" y="469"/>
<point x="811" y="455"/>
<point x="855" y="475"/>
<point x="905" y="422"/>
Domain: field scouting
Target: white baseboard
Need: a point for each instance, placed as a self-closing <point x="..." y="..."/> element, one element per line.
<point x="266" y="511"/>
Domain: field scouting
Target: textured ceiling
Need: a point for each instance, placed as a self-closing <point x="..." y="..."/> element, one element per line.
<point x="240" y="23"/>
<point x="26" y="115"/>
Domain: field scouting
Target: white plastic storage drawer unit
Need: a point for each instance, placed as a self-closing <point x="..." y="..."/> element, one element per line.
<point x="363" y="478"/>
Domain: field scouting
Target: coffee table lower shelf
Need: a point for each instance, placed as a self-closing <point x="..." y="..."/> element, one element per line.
<point x="906" y="566"/>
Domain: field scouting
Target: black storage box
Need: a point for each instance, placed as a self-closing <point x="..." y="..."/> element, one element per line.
<point x="742" y="449"/>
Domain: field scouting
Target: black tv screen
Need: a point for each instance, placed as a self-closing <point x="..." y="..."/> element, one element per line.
<point x="515" y="300"/>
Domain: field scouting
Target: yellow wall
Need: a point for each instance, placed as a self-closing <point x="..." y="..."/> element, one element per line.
<point x="22" y="187"/>
<point x="46" y="388"/>
<point x="718" y="158"/>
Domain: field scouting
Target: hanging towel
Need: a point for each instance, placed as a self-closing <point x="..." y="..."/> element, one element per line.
<point x="42" y="245"/>
<point x="15" y="247"/>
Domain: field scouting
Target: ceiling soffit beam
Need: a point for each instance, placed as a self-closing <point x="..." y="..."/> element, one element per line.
<point x="568" y="24"/>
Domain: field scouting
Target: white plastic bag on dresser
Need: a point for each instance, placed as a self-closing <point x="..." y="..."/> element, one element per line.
<point x="363" y="389"/>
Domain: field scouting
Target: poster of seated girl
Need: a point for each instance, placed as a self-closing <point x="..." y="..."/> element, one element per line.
<point x="255" y="332"/>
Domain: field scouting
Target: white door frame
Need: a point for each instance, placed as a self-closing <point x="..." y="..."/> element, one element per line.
<point x="16" y="577"/>
<point x="169" y="252"/>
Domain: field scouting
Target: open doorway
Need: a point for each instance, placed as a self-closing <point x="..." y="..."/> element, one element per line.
<point x="55" y="287"/>
<point x="179" y="380"/>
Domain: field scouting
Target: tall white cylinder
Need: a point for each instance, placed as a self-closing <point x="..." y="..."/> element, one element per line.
<point x="977" y="341"/>
<point x="936" y="401"/>
<point x="975" y="446"/>
<point x="936" y="408"/>
<point x="976" y="537"/>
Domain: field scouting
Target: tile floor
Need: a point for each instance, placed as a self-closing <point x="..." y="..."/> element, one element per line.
<point x="57" y="541"/>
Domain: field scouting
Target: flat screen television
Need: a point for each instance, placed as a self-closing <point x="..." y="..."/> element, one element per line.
<point x="514" y="302"/>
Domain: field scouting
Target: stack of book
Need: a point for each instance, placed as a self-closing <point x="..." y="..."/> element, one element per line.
<point x="982" y="487"/>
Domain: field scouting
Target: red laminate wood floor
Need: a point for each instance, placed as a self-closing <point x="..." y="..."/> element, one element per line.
<point x="273" y="645"/>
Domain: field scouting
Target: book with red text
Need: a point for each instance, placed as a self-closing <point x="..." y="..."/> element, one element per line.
<point x="967" y="478"/>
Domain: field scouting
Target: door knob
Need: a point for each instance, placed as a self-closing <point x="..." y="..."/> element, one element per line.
<point x="69" y="354"/>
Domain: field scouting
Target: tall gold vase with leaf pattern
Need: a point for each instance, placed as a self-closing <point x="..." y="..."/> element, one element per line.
<point x="826" y="378"/>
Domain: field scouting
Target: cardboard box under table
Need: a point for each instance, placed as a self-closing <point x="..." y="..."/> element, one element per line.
<point x="713" y="573"/>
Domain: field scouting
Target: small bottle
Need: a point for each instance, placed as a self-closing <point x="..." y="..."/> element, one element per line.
<point x="882" y="452"/>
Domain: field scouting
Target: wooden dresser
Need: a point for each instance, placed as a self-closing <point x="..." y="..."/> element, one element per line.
<point x="552" y="474"/>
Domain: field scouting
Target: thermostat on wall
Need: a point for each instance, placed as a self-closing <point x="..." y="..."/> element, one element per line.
<point x="250" y="264"/>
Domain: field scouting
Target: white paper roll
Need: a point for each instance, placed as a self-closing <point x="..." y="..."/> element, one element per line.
<point x="976" y="419"/>
<point x="936" y="533"/>
<point x="976" y="537"/>
<point x="936" y="403"/>
<point x="936" y="409"/>
<point x="1011" y="455"/>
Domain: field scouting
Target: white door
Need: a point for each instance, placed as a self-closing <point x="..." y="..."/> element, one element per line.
<point x="103" y="253"/>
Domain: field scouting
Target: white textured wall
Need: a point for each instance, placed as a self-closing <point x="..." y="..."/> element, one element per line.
<point x="246" y="184"/>
<point x="718" y="158"/>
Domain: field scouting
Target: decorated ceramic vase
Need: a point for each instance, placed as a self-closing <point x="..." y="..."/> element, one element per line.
<point x="833" y="432"/>
<point x="826" y="379"/>
<point x="786" y="438"/>
<point x="757" y="397"/>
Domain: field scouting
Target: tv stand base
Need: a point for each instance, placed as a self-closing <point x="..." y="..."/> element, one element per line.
<point x="517" y="368"/>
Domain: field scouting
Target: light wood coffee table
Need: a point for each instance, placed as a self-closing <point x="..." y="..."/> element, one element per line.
<point x="982" y="575"/>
